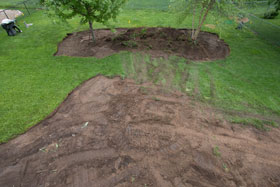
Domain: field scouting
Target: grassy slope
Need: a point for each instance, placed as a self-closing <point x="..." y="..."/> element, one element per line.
<point x="12" y="3"/>
<point x="33" y="82"/>
<point x="275" y="21"/>
<point x="267" y="29"/>
<point x="260" y="10"/>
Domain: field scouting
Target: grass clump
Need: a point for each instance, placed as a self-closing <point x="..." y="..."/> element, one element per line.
<point x="259" y="124"/>
<point x="216" y="151"/>
<point x="130" y="44"/>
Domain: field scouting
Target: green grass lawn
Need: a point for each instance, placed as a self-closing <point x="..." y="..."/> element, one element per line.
<point x="33" y="82"/>
<point x="267" y="29"/>
<point x="148" y="5"/>
<point x="275" y="21"/>
<point x="260" y="10"/>
<point x="9" y="3"/>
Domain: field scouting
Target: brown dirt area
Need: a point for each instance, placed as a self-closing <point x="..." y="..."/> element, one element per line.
<point x="158" y="42"/>
<point x="113" y="132"/>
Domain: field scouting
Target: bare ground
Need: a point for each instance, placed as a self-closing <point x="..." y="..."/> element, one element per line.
<point x="113" y="132"/>
<point x="158" y="42"/>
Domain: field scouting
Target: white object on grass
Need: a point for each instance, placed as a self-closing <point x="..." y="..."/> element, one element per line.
<point x="27" y="24"/>
<point x="85" y="125"/>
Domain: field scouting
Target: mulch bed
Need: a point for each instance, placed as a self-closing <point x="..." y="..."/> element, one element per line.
<point x="158" y="42"/>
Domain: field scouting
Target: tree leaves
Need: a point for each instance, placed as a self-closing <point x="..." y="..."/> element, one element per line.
<point x="91" y="10"/>
<point x="100" y="11"/>
<point x="187" y="7"/>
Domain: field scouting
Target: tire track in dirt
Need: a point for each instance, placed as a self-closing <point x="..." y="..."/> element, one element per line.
<point x="140" y="68"/>
<point x="212" y="84"/>
<point x="113" y="180"/>
<point x="83" y="156"/>
<point x="159" y="180"/>
<point x="184" y="79"/>
<point x="196" y="83"/>
<point x="127" y="67"/>
<point x="159" y="71"/>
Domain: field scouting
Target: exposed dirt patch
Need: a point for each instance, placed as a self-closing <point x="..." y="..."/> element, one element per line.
<point x="112" y="132"/>
<point x="158" y="42"/>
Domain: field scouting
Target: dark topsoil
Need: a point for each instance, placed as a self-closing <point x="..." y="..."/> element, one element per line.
<point x="158" y="42"/>
<point x="112" y="132"/>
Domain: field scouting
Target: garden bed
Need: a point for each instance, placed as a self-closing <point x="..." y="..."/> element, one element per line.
<point x="158" y="42"/>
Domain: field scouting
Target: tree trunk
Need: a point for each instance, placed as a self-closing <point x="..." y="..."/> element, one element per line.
<point x="91" y="30"/>
<point x="194" y="7"/>
<point x="199" y="20"/>
<point x="203" y="19"/>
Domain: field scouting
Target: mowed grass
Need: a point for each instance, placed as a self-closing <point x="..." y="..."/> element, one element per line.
<point x="9" y="3"/>
<point x="148" y="5"/>
<point x="33" y="82"/>
<point x="275" y="21"/>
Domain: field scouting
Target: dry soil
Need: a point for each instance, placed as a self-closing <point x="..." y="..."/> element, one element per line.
<point x="113" y="132"/>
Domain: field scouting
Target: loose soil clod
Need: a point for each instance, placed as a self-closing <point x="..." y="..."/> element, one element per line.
<point x="138" y="135"/>
<point x="158" y="42"/>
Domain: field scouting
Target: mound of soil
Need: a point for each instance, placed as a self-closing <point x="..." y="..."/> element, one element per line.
<point x="112" y="132"/>
<point x="158" y="42"/>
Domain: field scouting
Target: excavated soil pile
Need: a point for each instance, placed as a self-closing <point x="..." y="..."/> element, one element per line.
<point x="112" y="132"/>
<point x="158" y="42"/>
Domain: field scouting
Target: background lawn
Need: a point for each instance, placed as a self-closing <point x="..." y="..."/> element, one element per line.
<point x="33" y="82"/>
<point x="275" y="21"/>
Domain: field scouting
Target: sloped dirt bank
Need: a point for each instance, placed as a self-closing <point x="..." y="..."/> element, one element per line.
<point x="158" y="42"/>
<point x="112" y="132"/>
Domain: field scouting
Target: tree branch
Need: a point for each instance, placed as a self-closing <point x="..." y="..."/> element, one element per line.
<point x="209" y="7"/>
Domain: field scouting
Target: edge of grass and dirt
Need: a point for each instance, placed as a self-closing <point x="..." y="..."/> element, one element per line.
<point x="34" y="82"/>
